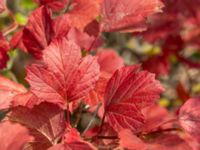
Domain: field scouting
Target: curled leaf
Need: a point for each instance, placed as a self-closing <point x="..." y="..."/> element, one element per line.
<point x="127" y="15"/>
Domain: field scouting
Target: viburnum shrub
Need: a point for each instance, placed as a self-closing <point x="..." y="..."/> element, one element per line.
<point x="78" y="93"/>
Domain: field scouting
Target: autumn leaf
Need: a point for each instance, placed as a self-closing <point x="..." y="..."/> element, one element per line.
<point x="42" y="30"/>
<point x="96" y="95"/>
<point x="17" y="41"/>
<point x="72" y="140"/>
<point x="127" y="92"/>
<point x="55" y="5"/>
<point x="2" y="6"/>
<point x="4" y="47"/>
<point x="45" y="122"/>
<point x="84" y="12"/>
<point x="155" y="118"/>
<point x="189" y="117"/>
<point x="13" y="136"/>
<point x="162" y="67"/>
<point x="106" y="65"/>
<point x="8" y="90"/>
<point x="27" y="99"/>
<point x="107" y="68"/>
<point x="168" y="141"/>
<point x="63" y="28"/>
<point x="127" y="15"/>
<point x="130" y="141"/>
<point x="38" y="34"/>
<point x="66" y="76"/>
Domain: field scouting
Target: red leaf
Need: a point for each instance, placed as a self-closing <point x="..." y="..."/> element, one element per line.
<point x="130" y="141"/>
<point x="46" y="123"/>
<point x="96" y="95"/>
<point x="162" y="26"/>
<point x="67" y="77"/>
<point x="155" y="116"/>
<point x="8" y="90"/>
<point x="168" y="141"/>
<point x="38" y="33"/>
<point x="4" y="47"/>
<point x="158" y="142"/>
<point x="182" y="92"/>
<point x="55" y="5"/>
<point x="61" y="25"/>
<point x="82" y="39"/>
<point x="73" y="141"/>
<point x="104" y="58"/>
<point x="189" y="117"/>
<point x="13" y="136"/>
<point x="107" y="68"/>
<point x="127" y="15"/>
<point x="42" y="30"/>
<point x="162" y="65"/>
<point x="27" y="99"/>
<point x="45" y="84"/>
<point x="62" y="28"/>
<point x="76" y="145"/>
<point x="83" y="12"/>
<point x="17" y="41"/>
<point x="127" y="92"/>
<point x="92" y="28"/>
<point x="2" y="6"/>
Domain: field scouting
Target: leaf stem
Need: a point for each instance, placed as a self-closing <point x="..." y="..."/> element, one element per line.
<point x="102" y="123"/>
<point x="68" y="115"/>
<point x="93" y="117"/>
<point x="169" y="121"/>
<point x="164" y="130"/>
<point x="79" y="115"/>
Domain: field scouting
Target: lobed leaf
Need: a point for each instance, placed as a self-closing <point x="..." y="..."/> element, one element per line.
<point x="128" y="91"/>
<point x="66" y="76"/>
<point x="45" y="122"/>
